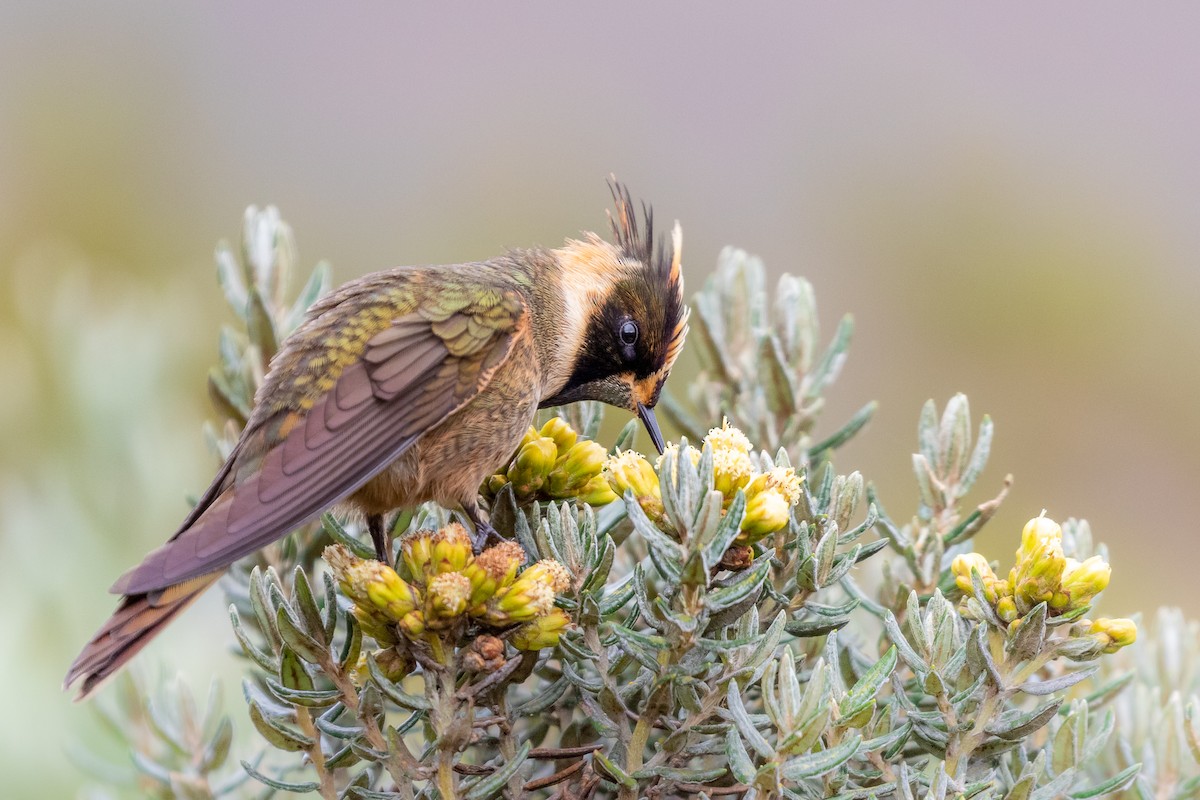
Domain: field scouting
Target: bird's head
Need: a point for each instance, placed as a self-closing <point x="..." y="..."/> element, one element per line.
<point x="626" y="318"/>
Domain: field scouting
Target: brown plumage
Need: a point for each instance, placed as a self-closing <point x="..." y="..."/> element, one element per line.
<point x="412" y="385"/>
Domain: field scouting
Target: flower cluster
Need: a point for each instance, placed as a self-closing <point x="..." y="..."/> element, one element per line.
<point x="1043" y="574"/>
<point x="769" y="494"/>
<point x="446" y="588"/>
<point x="554" y="464"/>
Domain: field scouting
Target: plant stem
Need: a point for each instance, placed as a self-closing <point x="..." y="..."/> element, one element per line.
<point x="304" y="721"/>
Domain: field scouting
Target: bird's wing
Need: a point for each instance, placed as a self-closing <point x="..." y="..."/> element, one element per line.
<point x="409" y="377"/>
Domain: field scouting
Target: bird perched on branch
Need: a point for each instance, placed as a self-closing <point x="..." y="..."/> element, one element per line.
<point x="412" y="385"/>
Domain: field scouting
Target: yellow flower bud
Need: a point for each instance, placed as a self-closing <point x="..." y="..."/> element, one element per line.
<point x="371" y="584"/>
<point x="766" y="512"/>
<point x="1110" y="635"/>
<point x="452" y="549"/>
<point x="596" y="492"/>
<point x="673" y="448"/>
<point x="962" y="566"/>
<point x="562" y="434"/>
<point x="446" y="597"/>
<point x="1082" y="581"/>
<point x="1121" y="632"/>
<point x="1040" y="563"/>
<point x="374" y="624"/>
<point x="413" y="624"/>
<point x="1036" y="533"/>
<point x="416" y="551"/>
<point x="533" y="463"/>
<point x="543" y="631"/>
<point x="575" y="467"/>
<point x="521" y="602"/>
<point x="494" y="484"/>
<point x="1006" y="609"/>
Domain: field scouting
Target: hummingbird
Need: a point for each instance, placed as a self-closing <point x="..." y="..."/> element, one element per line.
<point x="412" y="385"/>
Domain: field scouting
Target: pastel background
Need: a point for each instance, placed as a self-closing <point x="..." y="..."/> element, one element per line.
<point x="1008" y="199"/>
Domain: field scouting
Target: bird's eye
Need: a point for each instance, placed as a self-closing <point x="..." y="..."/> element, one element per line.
<point x="629" y="332"/>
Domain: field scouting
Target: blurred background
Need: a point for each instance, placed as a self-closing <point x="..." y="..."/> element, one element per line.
<point x="1007" y="201"/>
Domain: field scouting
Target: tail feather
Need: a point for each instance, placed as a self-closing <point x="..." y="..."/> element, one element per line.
<point x="137" y="620"/>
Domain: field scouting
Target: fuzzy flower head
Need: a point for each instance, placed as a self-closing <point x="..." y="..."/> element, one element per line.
<point x="732" y="468"/>
<point x="629" y="471"/>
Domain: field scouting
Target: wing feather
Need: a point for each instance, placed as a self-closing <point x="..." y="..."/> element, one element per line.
<point x="407" y="380"/>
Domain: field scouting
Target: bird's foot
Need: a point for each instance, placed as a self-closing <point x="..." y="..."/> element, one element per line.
<point x="485" y="534"/>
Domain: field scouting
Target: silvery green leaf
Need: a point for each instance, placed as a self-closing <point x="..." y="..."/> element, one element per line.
<point x="927" y="433"/>
<point x="756" y="662"/>
<point x="943" y="627"/>
<point x="392" y="690"/>
<point x="493" y="784"/>
<point x="903" y="648"/>
<point x="276" y="733"/>
<point x="814" y="765"/>
<point x="345" y="732"/>
<point x="823" y="555"/>
<point x="722" y="535"/>
<point x="823" y="610"/>
<point x="318" y="285"/>
<point x="679" y="775"/>
<point x="748" y="581"/>
<point x="311" y="698"/>
<point x="923" y="471"/>
<point x="1055" y="787"/>
<point x="625" y="438"/>
<point x="1022" y="788"/>
<point x="830" y="365"/>
<point x="889" y="739"/>
<point x="303" y="601"/>
<point x="226" y="398"/>
<point x="979" y="655"/>
<point x="806" y="735"/>
<point x="954" y="437"/>
<point x="260" y="326"/>
<point x="775" y="377"/>
<point x="844" y="434"/>
<point x="1098" y="735"/>
<point x="1057" y="684"/>
<point x="655" y="538"/>
<point x="1069" y="740"/>
<point x="289" y="630"/>
<point x="1014" y="725"/>
<point x="809" y="628"/>
<point x="864" y="691"/>
<point x="543" y="700"/>
<point x="979" y="457"/>
<point x="266" y="661"/>
<point x="918" y="626"/>
<point x="610" y="769"/>
<point x="739" y="760"/>
<point x="292" y="673"/>
<point x="229" y="277"/>
<point x="1116" y="783"/>
<point x="860" y="597"/>
<point x="283" y="786"/>
<point x="741" y="718"/>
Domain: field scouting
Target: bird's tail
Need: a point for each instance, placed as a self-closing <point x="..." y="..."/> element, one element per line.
<point x="137" y="620"/>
